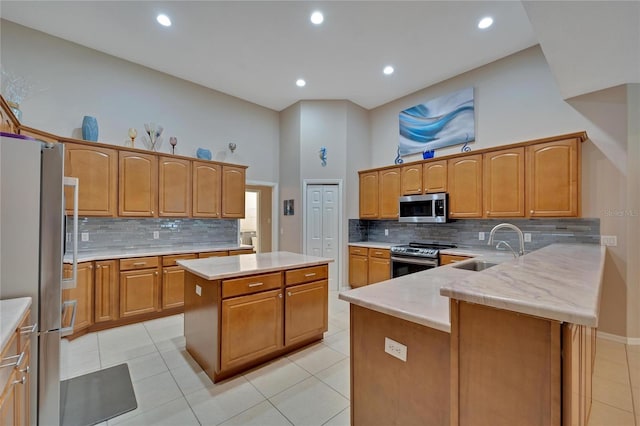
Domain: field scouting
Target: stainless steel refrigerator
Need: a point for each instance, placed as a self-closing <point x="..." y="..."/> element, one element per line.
<point x="31" y="255"/>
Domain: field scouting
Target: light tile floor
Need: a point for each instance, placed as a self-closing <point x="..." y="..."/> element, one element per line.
<point x="309" y="387"/>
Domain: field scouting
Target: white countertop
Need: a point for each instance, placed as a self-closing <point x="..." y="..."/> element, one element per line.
<point x="560" y="282"/>
<point x="216" y="268"/>
<point x="11" y="312"/>
<point x="122" y="253"/>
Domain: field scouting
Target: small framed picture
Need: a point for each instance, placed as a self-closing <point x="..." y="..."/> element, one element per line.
<point x="288" y="207"/>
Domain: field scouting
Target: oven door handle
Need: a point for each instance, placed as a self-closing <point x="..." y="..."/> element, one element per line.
<point x="415" y="261"/>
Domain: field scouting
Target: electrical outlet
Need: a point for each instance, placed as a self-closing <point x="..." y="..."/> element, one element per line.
<point x="395" y="349"/>
<point x="481" y="236"/>
<point x="84" y="236"/>
<point x="609" y="240"/>
<point x="198" y="290"/>
<point x="156" y="235"/>
<point x="527" y="237"/>
<point x="386" y="232"/>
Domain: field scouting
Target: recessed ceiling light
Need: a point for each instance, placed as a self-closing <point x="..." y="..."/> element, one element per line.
<point x="485" y="22"/>
<point x="388" y="70"/>
<point x="300" y="82"/>
<point x="317" y="18"/>
<point x="164" y="20"/>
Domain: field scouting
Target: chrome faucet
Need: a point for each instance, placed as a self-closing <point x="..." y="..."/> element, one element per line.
<point x="510" y="226"/>
<point x="504" y="243"/>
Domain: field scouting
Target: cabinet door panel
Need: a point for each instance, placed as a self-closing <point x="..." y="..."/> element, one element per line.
<point x="358" y="271"/>
<point x="206" y="189"/>
<point x="139" y="291"/>
<point x="434" y="176"/>
<point x="174" y="196"/>
<point x="172" y="287"/>
<point x="379" y="269"/>
<point x="552" y="179"/>
<point x="369" y="195"/>
<point x="97" y="172"/>
<point x="137" y="184"/>
<point x="465" y="186"/>
<point x="106" y="291"/>
<point x="251" y="327"/>
<point x="389" y="191"/>
<point x="82" y="293"/>
<point x="306" y="311"/>
<point x="412" y="179"/>
<point x="233" y="186"/>
<point x="504" y="183"/>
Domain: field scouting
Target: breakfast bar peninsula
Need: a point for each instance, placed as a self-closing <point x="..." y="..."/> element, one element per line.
<point x="241" y="311"/>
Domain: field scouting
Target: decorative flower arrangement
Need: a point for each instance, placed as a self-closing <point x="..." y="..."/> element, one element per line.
<point x="153" y="138"/>
<point x="15" y="89"/>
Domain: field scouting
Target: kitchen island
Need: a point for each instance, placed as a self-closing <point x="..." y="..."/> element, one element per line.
<point x="244" y="310"/>
<point x="497" y="335"/>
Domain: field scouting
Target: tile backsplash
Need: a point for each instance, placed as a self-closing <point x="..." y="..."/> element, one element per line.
<point x="117" y="233"/>
<point x="465" y="232"/>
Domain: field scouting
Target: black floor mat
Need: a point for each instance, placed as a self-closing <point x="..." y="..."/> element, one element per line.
<point x="95" y="397"/>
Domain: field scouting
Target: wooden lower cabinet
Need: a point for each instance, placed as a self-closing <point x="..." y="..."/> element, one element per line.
<point x="251" y="327"/>
<point x="221" y="253"/>
<point x="15" y="382"/>
<point x="358" y="270"/>
<point x="82" y="294"/>
<point x="388" y="391"/>
<point x="139" y="292"/>
<point x="306" y="311"/>
<point x="172" y="287"/>
<point x="106" y="291"/>
<point x="240" y="251"/>
<point x="379" y="265"/>
<point x="368" y="266"/>
<point x="446" y="259"/>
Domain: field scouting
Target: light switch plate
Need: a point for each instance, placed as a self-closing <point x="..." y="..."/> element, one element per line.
<point x="527" y="237"/>
<point x="198" y="290"/>
<point x="609" y="240"/>
<point x="481" y="236"/>
<point x="156" y="235"/>
<point x="395" y="349"/>
<point x="386" y="232"/>
<point x="84" y="236"/>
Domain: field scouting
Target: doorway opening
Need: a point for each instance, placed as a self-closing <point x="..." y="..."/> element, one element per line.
<point x="256" y="228"/>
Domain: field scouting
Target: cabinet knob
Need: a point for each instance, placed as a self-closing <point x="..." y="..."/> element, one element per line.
<point x="90" y="266"/>
<point x="289" y="293"/>
<point x="280" y="295"/>
<point x="152" y="212"/>
<point x="487" y="211"/>
<point x="531" y="212"/>
<point x="21" y="381"/>
<point x="155" y="273"/>
<point x="98" y="267"/>
<point x="164" y="272"/>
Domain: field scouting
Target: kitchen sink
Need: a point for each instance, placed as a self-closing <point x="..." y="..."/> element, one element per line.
<point x="476" y="265"/>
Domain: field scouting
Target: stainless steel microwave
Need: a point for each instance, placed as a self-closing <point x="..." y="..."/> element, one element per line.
<point x="427" y="208"/>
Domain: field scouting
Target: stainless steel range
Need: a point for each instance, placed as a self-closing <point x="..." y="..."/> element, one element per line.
<point x="416" y="256"/>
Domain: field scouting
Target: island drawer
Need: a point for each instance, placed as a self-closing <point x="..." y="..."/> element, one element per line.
<point x="171" y="260"/>
<point x="305" y="275"/>
<point x="139" y="263"/>
<point x="253" y="284"/>
<point x="381" y="253"/>
<point x="362" y="251"/>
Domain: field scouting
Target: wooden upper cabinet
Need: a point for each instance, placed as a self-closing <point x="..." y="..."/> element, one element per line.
<point x="388" y="193"/>
<point x="552" y="179"/>
<point x="465" y="186"/>
<point x="411" y="179"/>
<point x="206" y="189"/>
<point x="369" y="195"/>
<point x="233" y="188"/>
<point x="174" y="187"/>
<point x="97" y="172"/>
<point x="434" y="176"/>
<point x="503" y="183"/>
<point x="138" y="184"/>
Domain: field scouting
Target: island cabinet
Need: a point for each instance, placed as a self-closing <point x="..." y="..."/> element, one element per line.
<point x="464" y="181"/>
<point x="137" y="185"/>
<point x="232" y="324"/>
<point x="15" y="376"/>
<point x="81" y="296"/>
<point x="139" y="286"/>
<point x="174" y="187"/>
<point x="97" y="171"/>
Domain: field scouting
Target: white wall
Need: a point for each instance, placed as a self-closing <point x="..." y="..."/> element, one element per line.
<point x="73" y="81"/>
<point x="290" y="184"/>
<point x="633" y="208"/>
<point x="358" y="155"/>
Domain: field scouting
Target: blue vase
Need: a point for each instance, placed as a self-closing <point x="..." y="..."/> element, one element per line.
<point x="89" y="128"/>
<point x="204" y="154"/>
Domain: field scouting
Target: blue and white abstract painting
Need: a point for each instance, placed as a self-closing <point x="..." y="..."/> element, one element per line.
<point x="444" y="121"/>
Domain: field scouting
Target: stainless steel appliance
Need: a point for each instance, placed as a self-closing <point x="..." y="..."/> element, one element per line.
<point x="427" y="208"/>
<point x="31" y="255"/>
<point x="415" y="257"/>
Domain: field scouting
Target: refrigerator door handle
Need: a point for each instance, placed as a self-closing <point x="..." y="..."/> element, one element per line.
<point x="68" y="283"/>
<point x="65" y="331"/>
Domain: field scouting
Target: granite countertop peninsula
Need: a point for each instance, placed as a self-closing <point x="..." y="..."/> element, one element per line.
<point x="560" y="282"/>
<point x="122" y="253"/>
<point x="11" y="311"/>
<point x="216" y="268"/>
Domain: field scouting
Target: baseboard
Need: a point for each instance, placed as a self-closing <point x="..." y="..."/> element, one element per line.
<point x="619" y="339"/>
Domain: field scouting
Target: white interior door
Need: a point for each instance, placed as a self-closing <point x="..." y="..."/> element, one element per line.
<point x="322" y="220"/>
